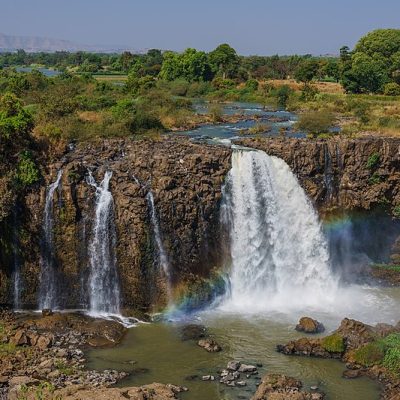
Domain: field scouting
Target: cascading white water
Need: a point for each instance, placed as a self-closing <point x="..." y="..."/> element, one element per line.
<point x="16" y="277"/>
<point x="48" y="296"/>
<point x="104" y="294"/>
<point x="279" y="256"/>
<point x="162" y="255"/>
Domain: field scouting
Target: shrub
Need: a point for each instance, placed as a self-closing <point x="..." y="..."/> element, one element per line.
<point x="370" y="354"/>
<point x="374" y="179"/>
<point x="333" y="343"/>
<point x="392" y="89"/>
<point x="308" y="93"/>
<point x="179" y="87"/>
<point x="373" y="161"/>
<point x="396" y="211"/>
<point x="215" y="111"/>
<point x="144" y="121"/>
<point x="391" y="361"/>
<point x="315" y="122"/>
<point x="259" y="128"/>
<point x="27" y="171"/>
<point x="252" y="84"/>
<point x="283" y="93"/>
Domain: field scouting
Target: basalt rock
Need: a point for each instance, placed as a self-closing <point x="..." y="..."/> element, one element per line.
<point x="309" y="325"/>
<point x="186" y="181"/>
<point x="282" y="387"/>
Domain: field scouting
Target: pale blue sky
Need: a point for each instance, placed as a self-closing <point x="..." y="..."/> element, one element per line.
<point x="251" y="26"/>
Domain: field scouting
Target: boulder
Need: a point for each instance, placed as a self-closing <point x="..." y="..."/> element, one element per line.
<point x="282" y="387"/>
<point x="309" y="325"/>
<point x="210" y="345"/>
<point x="233" y="365"/>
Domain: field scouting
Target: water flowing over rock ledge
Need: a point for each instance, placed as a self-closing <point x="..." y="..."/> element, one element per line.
<point x="185" y="180"/>
<point x="341" y="173"/>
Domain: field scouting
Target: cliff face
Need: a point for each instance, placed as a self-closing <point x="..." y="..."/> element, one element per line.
<point x="185" y="180"/>
<point x="345" y="174"/>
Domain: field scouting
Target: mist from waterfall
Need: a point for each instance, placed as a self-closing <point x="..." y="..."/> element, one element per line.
<point x="279" y="257"/>
<point x="104" y="293"/>
<point x="161" y="253"/>
<point x="48" y="290"/>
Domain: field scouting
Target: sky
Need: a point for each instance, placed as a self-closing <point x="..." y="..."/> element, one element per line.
<point x="261" y="27"/>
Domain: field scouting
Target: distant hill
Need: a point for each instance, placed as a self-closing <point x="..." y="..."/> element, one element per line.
<point x="36" y="44"/>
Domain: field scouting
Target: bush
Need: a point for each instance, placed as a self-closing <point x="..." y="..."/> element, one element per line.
<point x="252" y="84"/>
<point x="315" y="122"/>
<point x="396" y="211"/>
<point x="370" y="354"/>
<point x="283" y="93"/>
<point x="143" y="121"/>
<point x="373" y="161"/>
<point x="308" y="93"/>
<point x="391" y="89"/>
<point x="216" y="112"/>
<point x="27" y="171"/>
<point x="333" y="343"/>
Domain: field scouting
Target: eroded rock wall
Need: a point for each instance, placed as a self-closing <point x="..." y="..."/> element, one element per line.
<point x="186" y="181"/>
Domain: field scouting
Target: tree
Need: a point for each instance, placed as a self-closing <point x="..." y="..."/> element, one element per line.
<point x="374" y="62"/>
<point x="224" y="61"/>
<point x="14" y="119"/>
<point x="191" y="65"/>
<point x="306" y="71"/>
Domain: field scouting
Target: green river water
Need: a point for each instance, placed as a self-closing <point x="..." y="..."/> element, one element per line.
<point x="155" y="353"/>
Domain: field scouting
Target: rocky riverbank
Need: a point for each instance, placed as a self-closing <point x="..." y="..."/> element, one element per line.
<point x="371" y="351"/>
<point x="42" y="356"/>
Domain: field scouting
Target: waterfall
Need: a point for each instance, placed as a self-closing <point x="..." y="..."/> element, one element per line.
<point x="104" y="295"/>
<point x="162" y="255"/>
<point x="48" y="291"/>
<point x="16" y="276"/>
<point x="279" y="255"/>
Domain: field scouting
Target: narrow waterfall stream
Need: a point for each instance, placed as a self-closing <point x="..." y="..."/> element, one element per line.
<point x="161" y="253"/>
<point x="16" y="276"/>
<point x="104" y="294"/>
<point x="279" y="256"/>
<point x="48" y="291"/>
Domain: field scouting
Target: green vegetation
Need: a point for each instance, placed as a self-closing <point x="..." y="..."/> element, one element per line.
<point x="370" y="354"/>
<point x="385" y="352"/>
<point x="373" y="161"/>
<point x="374" y="63"/>
<point x="333" y="343"/>
<point x="390" y="267"/>
<point x="27" y="171"/>
<point x="315" y="122"/>
<point x="396" y="211"/>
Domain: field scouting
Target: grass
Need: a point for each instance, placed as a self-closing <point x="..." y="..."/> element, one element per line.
<point x="333" y="343"/>
<point x="385" y="352"/>
<point x="390" y="267"/>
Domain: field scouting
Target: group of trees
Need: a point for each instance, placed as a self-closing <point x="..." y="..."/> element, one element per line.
<point x="374" y="65"/>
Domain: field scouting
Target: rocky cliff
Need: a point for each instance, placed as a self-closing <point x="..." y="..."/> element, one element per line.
<point x="185" y="180"/>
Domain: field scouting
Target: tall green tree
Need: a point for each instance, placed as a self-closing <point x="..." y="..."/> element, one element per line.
<point x="224" y="61"/>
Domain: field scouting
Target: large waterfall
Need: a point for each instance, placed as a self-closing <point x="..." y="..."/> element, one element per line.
<point x="279" y="256"/>
<point x="48" y="291"/>
<point x="162" y="255"/>
<point x="104" y="295"/>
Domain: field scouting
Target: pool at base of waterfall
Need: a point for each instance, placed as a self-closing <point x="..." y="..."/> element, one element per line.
<point x="156" y="353"/>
